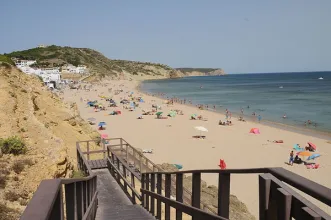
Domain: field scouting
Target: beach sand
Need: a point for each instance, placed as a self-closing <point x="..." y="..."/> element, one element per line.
<point x="172" y="142"/>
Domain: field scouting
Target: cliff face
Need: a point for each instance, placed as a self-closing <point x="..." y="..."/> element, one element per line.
<point x="50" y="130"/>
<point x="201" y="72"/>
<point x="101" y="67"/>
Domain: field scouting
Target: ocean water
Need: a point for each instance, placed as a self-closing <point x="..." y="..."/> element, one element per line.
<point x="301" y="96"/>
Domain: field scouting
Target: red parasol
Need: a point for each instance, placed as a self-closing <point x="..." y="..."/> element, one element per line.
<point x="312" y="145"/>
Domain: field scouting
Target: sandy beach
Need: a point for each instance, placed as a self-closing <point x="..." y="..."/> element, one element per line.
<point x="172" y="142"/>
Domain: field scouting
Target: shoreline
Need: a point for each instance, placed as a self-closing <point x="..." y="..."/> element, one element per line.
<point x="173" y="141"/>
<point x="292" y="128"/>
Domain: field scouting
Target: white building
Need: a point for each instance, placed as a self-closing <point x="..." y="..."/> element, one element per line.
<point x="21" y="63"/>
<point x="69" y="68"/>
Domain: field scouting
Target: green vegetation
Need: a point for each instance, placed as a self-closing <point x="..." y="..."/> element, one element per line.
<point x="56" y="56"/>
<point x="13" y="145"/>
<point x="78" y="174"/>
<point x="18" y="165"/>
<point x="203" y="70"/>
<point x="4" y="58"/>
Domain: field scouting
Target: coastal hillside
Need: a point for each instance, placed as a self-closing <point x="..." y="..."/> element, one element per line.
<point x="38" y="133"/>
<point x="202" y="71"/>
<point x="100" y="66"/>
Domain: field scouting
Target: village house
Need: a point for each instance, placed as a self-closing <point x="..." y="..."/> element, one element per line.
<point x="22" y="63"/>
<point x="69" y="68"/>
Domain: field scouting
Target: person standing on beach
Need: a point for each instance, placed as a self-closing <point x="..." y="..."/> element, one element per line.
<point x="291" y="158"/>
<point x="242" y="111"/>
<point x="259" y="118"/>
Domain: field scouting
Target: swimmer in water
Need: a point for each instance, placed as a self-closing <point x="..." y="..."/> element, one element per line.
<point x="284" y="116"/>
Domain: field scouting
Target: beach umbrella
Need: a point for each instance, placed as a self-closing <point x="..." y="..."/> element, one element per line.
<point x="104" y="136"/>
<point x="201" y="129"/>
<point x="312" y="145"/>
<point x="159" y="113"/>
<point x="91" y="119"/>
<point x="304" y="153"/>
<point x="178" y="166"/>
<point x="172" y="114"/>
<point x="312" y="157"/>
<point x="102" y="123"/>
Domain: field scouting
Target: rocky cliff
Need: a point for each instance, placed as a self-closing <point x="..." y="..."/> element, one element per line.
<point x="48" y="127"/>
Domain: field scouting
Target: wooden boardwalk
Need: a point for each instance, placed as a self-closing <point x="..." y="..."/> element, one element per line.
<point x="113" y="203"/>
<point x="98" y="164"/>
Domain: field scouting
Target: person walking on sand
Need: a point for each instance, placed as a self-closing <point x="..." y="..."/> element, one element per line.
<point x="291" y="158"/>
<point x="259" y="118"/>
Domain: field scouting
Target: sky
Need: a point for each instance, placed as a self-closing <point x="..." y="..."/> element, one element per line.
<point x="239" y="36"/>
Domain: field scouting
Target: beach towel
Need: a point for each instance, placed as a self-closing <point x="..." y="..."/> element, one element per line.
<point x="297" y="148"/>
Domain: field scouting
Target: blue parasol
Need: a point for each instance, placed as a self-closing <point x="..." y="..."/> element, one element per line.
<point x="102" y="123"/>
<point x="312" y="157"/>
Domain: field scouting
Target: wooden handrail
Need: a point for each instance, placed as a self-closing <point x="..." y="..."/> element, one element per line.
<point x="112" y="166"/>
<point x="190" y="210"/>
<point x="43" y="200"/>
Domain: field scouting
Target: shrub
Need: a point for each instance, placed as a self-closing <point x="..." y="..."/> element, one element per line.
<point x="78" y="174"/>
<point x="3" y="181"/>
<point x="11" y="196"/>
<point x="18" y="166"/>
<point x="13" y="145"/>
<point x="24" y="90"/>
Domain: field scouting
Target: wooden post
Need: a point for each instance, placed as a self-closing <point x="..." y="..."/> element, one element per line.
<point x="167" y="192"/>
<point x="57" y="211"/>
<point x="264" y="193"/>
<point x="179" y="194"/>
<point x="141" y="163"/>
<point x="121" y="143"/>
<point x="127" y="153"/>
<point x="224" y="195"/>
<point x="159" y="191"/>
<point x="124" y="174"/>
<point x="71" y="204"/>
<point x="104" y="148"/>
<point x="153" y="190"/>
<point x="147" y="188"/>
<point x="284" y="203"/>
<point x="143" y="176"/>
<point x="196" y="191"/>
<point x="88" y="150"/>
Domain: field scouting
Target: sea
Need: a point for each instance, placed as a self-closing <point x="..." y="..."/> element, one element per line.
<point x="301" y="96"/>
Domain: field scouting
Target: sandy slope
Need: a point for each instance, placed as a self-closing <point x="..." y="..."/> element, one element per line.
<point x="172" y="141"/>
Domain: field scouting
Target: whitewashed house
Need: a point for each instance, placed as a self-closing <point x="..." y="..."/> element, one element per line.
<point x="22" y="63"/>
<point x="69" y="68"/>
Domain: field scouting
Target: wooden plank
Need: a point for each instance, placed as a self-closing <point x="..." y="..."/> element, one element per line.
<point x="179" y="194"/>
<point x="159" y="192"/>
<point x="152" y="211"/>
<point x="224" y="195"/>
<point x="284" y="201"/>
<point x="167" y="192"/>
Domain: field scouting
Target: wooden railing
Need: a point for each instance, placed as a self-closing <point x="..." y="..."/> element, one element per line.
<point x="58" y="199"/>
<point x="120" y="170"/>
<point x="277" y="200"/>
<point x="121" y="147"/>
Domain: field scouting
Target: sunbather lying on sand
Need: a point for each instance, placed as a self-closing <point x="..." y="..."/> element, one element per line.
<point x="150" y="151"/>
